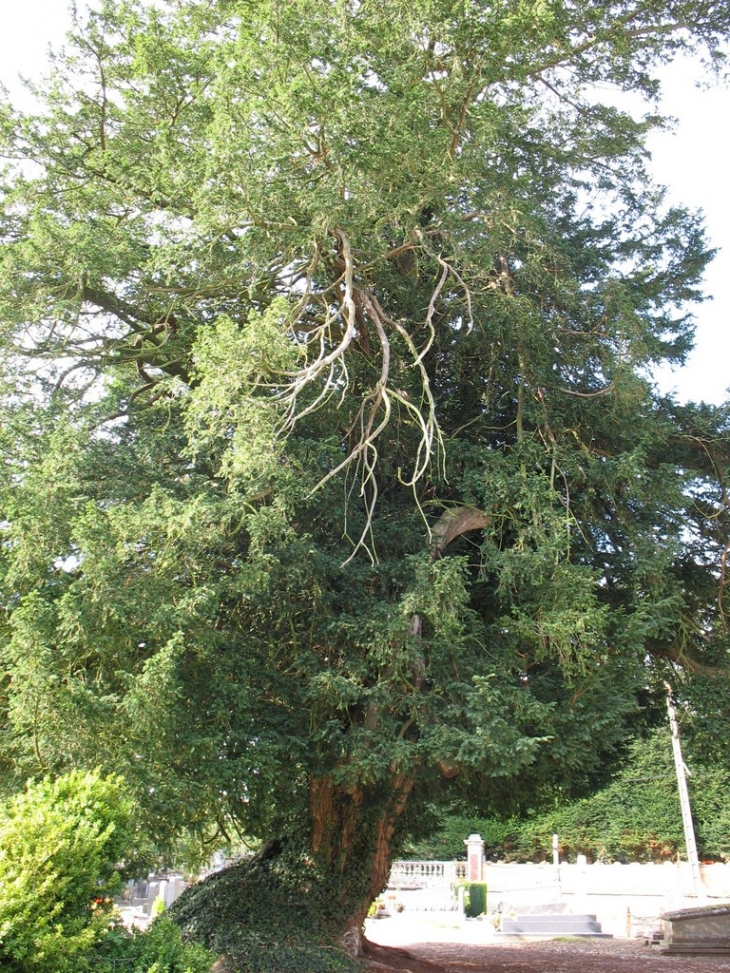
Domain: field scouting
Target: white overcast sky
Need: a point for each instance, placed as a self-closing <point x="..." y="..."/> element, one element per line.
<point x="692" y="162"/>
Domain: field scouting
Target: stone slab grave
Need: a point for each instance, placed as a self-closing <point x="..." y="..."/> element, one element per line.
<point x="698" y="930"/>
<point x="553" y="925"/>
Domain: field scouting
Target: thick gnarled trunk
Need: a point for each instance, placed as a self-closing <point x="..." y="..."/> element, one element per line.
<point x="352" y="833"/>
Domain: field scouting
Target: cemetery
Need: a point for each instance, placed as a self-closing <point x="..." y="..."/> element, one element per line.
<point x="647" y="902"/>
<point x="627" y="901"/>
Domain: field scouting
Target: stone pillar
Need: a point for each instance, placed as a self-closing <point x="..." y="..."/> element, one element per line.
<point x="474" y="858"/>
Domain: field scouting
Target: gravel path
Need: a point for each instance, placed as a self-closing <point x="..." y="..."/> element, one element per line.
<point x="428" y="944"/>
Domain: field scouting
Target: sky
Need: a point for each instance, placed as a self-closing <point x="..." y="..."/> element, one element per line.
<point x="691" y="161"/>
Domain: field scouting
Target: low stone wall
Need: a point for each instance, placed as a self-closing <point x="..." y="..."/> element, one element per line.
<point x="627" y="899"/>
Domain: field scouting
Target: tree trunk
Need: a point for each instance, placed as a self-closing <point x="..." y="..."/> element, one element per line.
<point x="352" y="833"/>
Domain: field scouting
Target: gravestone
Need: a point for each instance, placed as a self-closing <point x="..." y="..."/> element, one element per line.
<point x="552" y="925"/>
<point x="698" y="930"/>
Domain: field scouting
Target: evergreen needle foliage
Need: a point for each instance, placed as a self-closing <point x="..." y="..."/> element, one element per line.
<point x="335" y="485"/>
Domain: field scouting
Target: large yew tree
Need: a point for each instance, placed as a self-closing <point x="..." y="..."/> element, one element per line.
<point x="335" y="485"/>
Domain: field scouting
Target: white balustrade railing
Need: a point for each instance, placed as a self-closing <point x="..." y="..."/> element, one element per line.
<point x="426" y="874"/>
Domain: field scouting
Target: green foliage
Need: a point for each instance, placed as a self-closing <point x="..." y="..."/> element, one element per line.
<point x="269" y="915"/>
<point x="475" y="902"/>
<point x="60" y="843"/>
<point x="335" y="490"/>
<point x="447" y="842"/>
<point x="637" y="817"/>
<point x="160" y="949"/>
<point x="158" y="906"/>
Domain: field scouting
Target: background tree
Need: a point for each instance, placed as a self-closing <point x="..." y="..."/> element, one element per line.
<point x="334" y="475"/>
<point x="636" y="817"/>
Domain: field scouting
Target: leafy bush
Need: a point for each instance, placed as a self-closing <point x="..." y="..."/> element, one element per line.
<point x="60" y="842"/>
<point x="476" y="899"/>
<point x="158" y="950"/>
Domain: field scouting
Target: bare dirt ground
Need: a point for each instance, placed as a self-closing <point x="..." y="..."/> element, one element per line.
<point x="405" y="945"/>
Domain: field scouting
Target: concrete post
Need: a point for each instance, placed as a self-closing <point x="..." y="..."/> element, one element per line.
<point x="474" y="858"/>
<point x="689" y="831"/>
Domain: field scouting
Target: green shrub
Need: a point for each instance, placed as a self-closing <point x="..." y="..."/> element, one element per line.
<point x="637" y="817"/>
<point x="158" y="950"/>
<point x="158" y="907"/>
<point x="475" y="903"/>
<point x="60" y="842"/>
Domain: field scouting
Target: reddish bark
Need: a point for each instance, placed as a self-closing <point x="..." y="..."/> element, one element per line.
<point x="343" y="823"/>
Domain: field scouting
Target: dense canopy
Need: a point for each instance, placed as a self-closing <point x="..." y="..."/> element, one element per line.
<point x="335" y="483"/>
